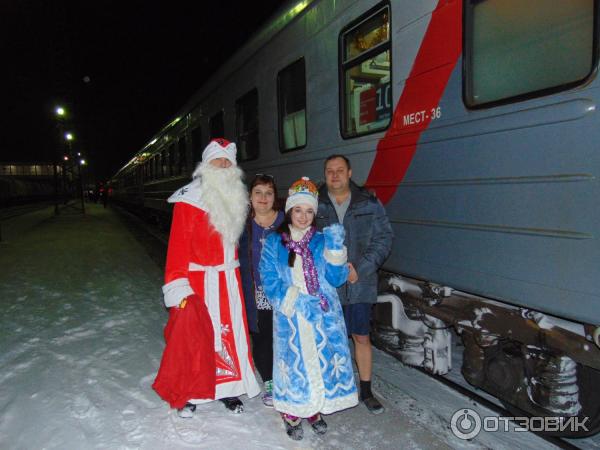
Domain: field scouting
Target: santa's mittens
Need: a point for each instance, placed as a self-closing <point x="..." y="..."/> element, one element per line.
<point x="334" y="236"/>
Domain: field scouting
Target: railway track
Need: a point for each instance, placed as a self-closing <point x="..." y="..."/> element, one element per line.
<point x="10" y="212"/>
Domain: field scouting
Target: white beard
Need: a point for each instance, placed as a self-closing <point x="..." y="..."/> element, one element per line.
<point x="225" y="199"/>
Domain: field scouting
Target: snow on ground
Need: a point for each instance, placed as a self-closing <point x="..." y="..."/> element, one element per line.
<point x="81" y="339"/>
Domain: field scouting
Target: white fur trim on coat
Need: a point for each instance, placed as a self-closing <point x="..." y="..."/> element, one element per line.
<point x="175" y="291"/>
<point x="289" y="301"/>
<point x="336" y="257"/>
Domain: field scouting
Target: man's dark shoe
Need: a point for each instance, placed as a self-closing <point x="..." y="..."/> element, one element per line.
<point x="373" y="405"/>
<point x="233" y="404"/>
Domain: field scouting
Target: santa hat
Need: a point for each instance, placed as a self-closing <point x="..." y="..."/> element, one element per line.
<point x="219" y="148"/>
<point x="304" y="192"/>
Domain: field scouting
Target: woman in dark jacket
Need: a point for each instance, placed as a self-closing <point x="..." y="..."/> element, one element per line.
<point x="264" y="218"/>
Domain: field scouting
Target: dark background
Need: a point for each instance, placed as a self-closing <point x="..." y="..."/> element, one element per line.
<point x="121" y="68"/>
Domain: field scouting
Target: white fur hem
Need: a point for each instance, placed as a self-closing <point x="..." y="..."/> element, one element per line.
<point x="289" y="301"/>
<point x="339" y="403"/>
<point x="230" y="389"/>
<point x="336" y="257"/>
<point x="176" y="290"/>
<point x="327" y="407"/>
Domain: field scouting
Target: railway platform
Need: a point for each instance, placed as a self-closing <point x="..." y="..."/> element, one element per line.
<point x="81" y="338"/>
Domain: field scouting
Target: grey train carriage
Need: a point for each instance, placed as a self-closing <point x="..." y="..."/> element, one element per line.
<point x="476" y="124"/>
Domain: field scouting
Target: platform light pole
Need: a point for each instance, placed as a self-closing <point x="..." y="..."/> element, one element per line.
<point x="76" y="160"/>
<point x="68" y="159"/>
<point x="81" y="162"/>
<point x="60" y="113"/>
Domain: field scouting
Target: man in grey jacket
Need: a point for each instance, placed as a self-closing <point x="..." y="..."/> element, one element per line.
<point x="369" y="241"/>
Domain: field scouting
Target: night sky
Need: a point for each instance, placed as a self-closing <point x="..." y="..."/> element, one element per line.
<point x="122" y="68"/>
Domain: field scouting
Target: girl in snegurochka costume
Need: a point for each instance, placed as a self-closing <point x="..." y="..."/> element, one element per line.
<point x="300" y="269"/>
<point x="264" y="218"/>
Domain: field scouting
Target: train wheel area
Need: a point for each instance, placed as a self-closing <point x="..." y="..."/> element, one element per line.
<point x="523" y="377"/>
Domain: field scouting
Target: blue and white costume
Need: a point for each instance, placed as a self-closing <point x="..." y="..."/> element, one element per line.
<point x="312" y="370"/>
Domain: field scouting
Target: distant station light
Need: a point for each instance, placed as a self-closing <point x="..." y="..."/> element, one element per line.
<point x="66" y="158"/>
<point x="78" y="153"/>
<point x="60" y="111"/>
<point x="69" y="136"/>
<point x="82" y="162"/>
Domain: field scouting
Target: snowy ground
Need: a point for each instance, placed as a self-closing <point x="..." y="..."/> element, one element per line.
<point x="81" y="339"/>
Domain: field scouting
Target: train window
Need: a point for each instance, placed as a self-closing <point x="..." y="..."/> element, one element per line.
<point x="197" y="144"/>
<point x="365" y="76"/>
<point x="291" y="97"/>
<point x="516" y="50"/>
<point x="246" y="118"/>
<point x="182" y="156"/>
<point x="216" y="127"/>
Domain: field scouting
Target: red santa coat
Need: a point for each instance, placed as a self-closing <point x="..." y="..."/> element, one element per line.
<point x="207" y="354"/>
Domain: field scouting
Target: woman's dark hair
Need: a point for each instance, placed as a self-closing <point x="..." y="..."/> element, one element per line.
<point x="285" y="228"/>
<point x="268" y="180"/>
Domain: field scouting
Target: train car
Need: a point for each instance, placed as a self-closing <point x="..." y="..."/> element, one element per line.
<point x="475" y="123"/>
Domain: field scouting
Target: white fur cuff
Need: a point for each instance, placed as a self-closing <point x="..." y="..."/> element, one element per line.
<point x="175" y="291"/>
<point x="287" y="305"/>
<point x="336" y="257"/>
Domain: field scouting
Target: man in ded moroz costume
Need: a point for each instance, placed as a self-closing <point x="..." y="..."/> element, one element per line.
<point x="207" y="354"/>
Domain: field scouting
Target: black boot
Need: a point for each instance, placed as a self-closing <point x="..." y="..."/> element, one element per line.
<point x="233" y="404"/>
<point x="293" y="427"/>
<point x="317" y="423"/>
<point x="187" y="412"/>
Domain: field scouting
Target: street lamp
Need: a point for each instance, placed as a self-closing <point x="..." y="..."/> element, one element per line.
<point x="60" y="113"/>
<point x="69" y="140"/>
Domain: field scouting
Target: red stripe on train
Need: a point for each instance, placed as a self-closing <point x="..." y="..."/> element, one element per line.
<point x="435" y="61"/>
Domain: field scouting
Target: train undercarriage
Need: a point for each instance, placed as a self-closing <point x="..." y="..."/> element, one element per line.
<point x="536" y="364"/>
